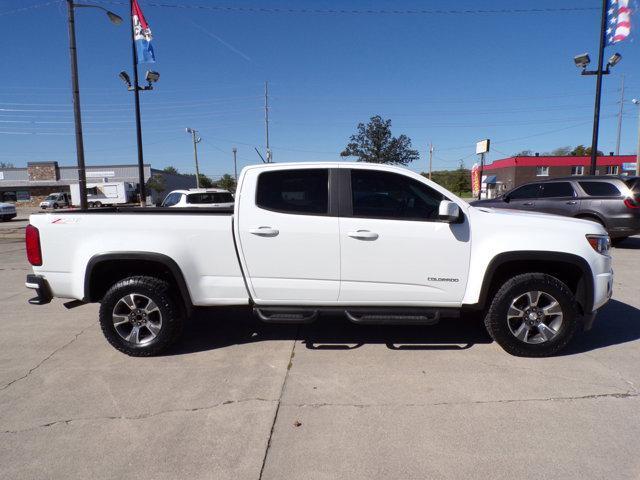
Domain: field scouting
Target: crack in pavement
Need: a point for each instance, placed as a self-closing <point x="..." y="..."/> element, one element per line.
<point x="142" y="416"/>
<point x="33" y="369"/>
<point x="618" y="373"/>
<point x="275" y="416"/>
<point x="477" y="402"/>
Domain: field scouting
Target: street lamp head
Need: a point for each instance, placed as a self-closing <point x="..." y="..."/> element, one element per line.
<point x="189" y="130"/>
<point x="152" y="76"/>
<point x="115" y="19"/>
<point x="615" y="58"/>
<point x="124" y="76"/>
<point x="582" y="61"/>
<point x="635" y="101"/>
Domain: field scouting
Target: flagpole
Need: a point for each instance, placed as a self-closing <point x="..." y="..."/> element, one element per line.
<point x="136" y="93"/>
<point x="596" y="110"/>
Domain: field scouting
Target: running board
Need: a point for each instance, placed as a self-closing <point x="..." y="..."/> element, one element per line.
<point x="285" y="315"/>
<point x="393" y="316"/>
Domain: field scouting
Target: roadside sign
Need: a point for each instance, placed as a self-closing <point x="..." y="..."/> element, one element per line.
<point x="629" y="166"/>
<point x="482" y="146"/>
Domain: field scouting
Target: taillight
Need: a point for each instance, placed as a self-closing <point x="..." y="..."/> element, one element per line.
<point x="631" y="203"/>
<point x="32" y="240"/>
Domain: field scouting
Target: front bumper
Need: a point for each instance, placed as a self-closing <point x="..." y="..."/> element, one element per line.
<point x="40" y="285"/>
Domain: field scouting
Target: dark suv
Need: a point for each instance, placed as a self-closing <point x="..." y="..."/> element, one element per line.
<point x="613" y="201"/>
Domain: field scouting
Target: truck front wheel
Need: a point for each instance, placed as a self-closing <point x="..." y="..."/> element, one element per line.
<point x="533" y="315"/>
<point x="140" y="317"/>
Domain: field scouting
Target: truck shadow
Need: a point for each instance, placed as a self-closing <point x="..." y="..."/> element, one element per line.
<point x="211" y="329"/>
<point x="616" y="323"/>
<point x="218" y="328"/>
<point x="631" y="243"/>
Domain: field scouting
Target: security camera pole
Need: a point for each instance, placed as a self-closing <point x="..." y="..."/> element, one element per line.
<point x="618" y="31"/>
<point x="136" y="93"/>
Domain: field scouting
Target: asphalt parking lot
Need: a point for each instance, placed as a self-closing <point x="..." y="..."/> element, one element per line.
<point x="240" y="400"/>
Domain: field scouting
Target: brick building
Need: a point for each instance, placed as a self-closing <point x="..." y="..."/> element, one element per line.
<point x="504" y="174"/>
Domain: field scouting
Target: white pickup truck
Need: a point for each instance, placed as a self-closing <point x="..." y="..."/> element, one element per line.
<point x="381" y="244"/>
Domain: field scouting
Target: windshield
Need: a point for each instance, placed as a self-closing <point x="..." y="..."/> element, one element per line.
<point x="210" y="197"/>
<point x="52" y="197"/>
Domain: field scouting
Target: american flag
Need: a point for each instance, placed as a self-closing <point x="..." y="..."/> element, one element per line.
<point x="618" y="21"/>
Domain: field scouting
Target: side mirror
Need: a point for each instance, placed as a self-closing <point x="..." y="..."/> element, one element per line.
<point x="505" y="197"/>
<point x="448" y="211"/>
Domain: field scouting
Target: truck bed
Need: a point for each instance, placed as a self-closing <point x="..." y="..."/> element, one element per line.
<point x="199" y="240"/>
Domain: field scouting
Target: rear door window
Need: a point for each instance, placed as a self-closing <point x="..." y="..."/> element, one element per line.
<point x="600" y="189"/>
<point x="209" y="197"/>
<point x="299" y="191"/>
<point x="556" y="189"/>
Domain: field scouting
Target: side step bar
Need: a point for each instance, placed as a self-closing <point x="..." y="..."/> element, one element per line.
<point x="358" y="315"/>
<point x="393" y="316"/>
<point x="285" y="315"/>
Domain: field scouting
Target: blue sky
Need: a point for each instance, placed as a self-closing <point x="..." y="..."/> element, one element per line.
<point x="450" y="79"/>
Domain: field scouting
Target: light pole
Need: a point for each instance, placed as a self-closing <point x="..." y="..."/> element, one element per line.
<point x="196" y="141"/>
<point x="75" y="88"/>
<point x="636" y="102"/>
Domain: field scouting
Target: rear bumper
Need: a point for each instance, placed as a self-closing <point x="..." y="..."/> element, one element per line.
<point x="40" y="285"/>
<point x="9" y="215"/>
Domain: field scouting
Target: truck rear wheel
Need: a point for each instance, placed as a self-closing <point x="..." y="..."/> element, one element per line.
<point x="532" y="315"/>
<point x="140" y="317"/>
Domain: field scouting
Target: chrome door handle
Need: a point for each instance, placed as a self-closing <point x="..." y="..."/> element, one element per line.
<point x="572" y="202"/>
<point x="528" y="204"/>
<point x="363" y="235"/>
<point x="264" y="231"/>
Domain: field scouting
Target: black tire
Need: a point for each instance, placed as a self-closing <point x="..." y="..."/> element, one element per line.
<point x="97" y="204"/>
<point x="170" y="311"/>
<point x="498" y="325"/>
<point x="55" y="206"/>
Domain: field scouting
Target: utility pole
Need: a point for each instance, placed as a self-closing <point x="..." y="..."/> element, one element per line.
<point x="82" y="175"/>
<point x="235" y="164"/>
<point x="636" y="102"/>
<point x="620" y="116"/>
<point x="596" y="109"/>
<point x="430" y="158"/>
<point x="266" y="119"/>
<point x="196" y="141"/>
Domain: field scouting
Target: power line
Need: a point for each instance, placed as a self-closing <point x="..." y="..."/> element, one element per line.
<point x="30" y="7"/>
<point x="367" y="12"/>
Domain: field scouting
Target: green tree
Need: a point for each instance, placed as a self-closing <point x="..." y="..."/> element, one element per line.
<point x="374" y="143"/>
<point x="157" y="183"/>
<point x="582" y="151"/>
<point x="171" y="169"/>
<point x="524" y="153"/>
<point x="561" y="151"/>
<point x="205" y="182"/>
<point x="461" y="180"/>
<point x="227" y="182"/>
<point x="6" y="165"/>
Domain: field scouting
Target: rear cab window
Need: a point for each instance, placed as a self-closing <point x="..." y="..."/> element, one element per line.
<point x="209" y="197"/>
<point x="302" y="191"/>
<point x="600" y="189"/>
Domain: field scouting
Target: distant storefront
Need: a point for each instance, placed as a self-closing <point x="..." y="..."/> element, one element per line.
<point x="31" y="184"/>
<point x="504" y="174"/>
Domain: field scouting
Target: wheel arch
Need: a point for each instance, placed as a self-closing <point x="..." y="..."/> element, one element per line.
<point x="571" y="269"/>
<point x="104" y="269"/>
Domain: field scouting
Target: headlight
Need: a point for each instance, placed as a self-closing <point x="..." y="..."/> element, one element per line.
<point x="600" y="243"/>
